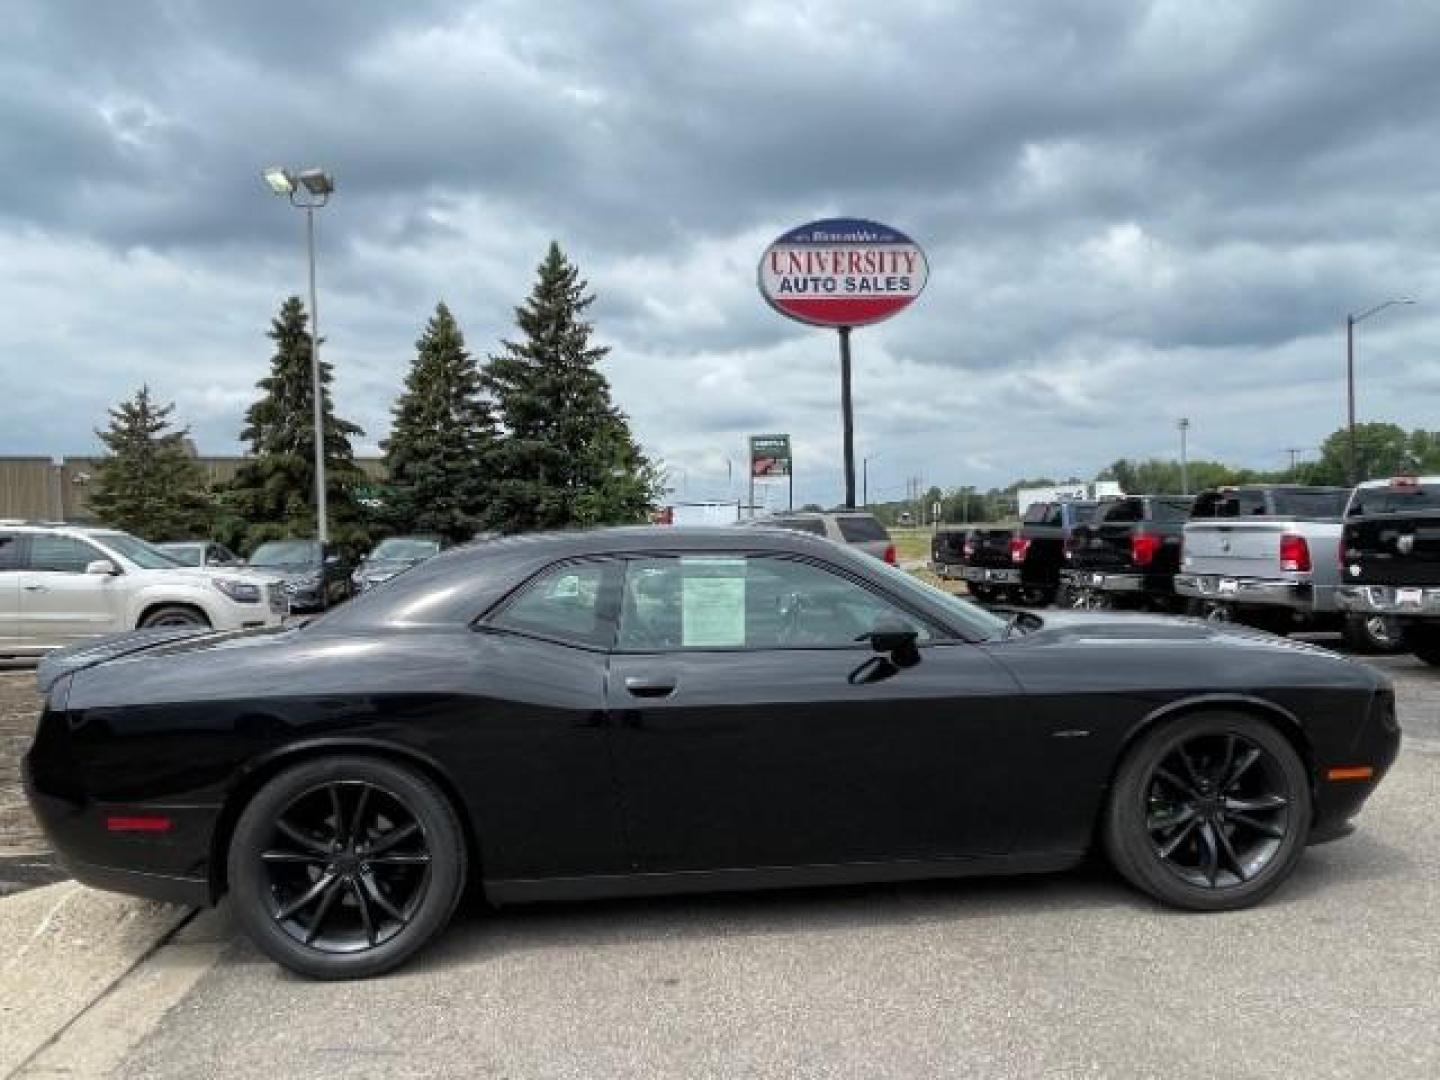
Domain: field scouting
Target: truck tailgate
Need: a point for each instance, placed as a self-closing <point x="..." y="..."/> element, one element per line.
<point x="1249" y="549"/>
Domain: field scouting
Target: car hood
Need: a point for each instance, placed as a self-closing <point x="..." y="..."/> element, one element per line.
<point x="1118" y="626"/>
<point x="158" y="641"/>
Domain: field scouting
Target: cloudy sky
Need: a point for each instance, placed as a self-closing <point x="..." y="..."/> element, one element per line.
<point x="1133" y="212"/>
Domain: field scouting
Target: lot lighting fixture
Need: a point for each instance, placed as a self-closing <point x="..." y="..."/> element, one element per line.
<point x="1350" y="321"/>
<point x="309" y="190"/>
<point x="279" y="180"/>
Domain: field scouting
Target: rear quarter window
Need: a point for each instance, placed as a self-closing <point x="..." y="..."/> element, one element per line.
<point x="1170" y="509"/>
<point x="1421" y="498"/>
<point x="861" y="530"/>
<point x="9" y="551"/>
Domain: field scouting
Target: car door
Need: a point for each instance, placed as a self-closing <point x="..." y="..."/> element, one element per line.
<point x="60" y="603"/>
<point x="10" y="637"/>
<point x="753" y="729"/>
<point x="543" y="782"/>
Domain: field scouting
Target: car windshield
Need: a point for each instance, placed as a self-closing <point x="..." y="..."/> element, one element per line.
<point x="1396" y="499"/>
<point x="286" y="553"/>
<point x="144" y="555"/>
<point x="184" y="554"/>
<point x="972" y="618"/>
<point x="405" y="547"/>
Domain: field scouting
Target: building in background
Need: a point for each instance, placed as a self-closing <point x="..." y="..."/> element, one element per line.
<point x="39" y="489"/>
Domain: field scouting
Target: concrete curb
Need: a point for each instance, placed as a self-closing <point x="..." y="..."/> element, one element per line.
<point x="61" y="948"/>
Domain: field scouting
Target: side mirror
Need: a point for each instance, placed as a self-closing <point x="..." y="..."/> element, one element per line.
<point x="897" y="639"/>
<point x="102" y="568"/>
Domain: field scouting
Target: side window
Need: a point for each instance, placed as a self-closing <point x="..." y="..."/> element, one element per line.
<point x="9" y="551"/>
<point x="61" y="554"/>
<point x="733" y="602"/>
<point x="564" y="603"/>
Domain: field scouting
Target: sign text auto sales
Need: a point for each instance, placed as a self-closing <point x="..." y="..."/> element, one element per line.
<point x="842" y="272"/>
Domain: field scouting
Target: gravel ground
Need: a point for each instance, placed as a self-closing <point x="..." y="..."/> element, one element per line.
<point x="25" y="858"/>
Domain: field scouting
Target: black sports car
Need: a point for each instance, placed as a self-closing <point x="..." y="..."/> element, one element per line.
<point x="649" y="710"/>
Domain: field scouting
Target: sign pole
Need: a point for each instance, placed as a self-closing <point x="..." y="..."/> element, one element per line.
<point x="848" y="415"/>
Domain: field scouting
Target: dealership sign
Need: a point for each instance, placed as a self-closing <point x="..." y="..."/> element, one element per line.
<point x="769" y="456"/>
<point x="842" y="272"/>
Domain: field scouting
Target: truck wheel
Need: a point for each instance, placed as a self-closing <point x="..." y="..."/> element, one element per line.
<point x="983" y="594"/>
<point x="1424" y="642"/>
<point x="1373" y="634"/>
<point x="1210" y="611"/>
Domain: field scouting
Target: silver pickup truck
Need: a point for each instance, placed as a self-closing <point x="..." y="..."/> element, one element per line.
<point x="1269" y="556"/>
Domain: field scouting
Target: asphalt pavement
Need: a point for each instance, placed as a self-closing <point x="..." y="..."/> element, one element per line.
<point x="1069" y="975"/>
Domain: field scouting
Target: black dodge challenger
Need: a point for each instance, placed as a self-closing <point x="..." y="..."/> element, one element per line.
<point x="643" y="710"/>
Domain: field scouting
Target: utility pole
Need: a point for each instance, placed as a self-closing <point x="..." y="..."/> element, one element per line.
<point x="1184" y="426"/>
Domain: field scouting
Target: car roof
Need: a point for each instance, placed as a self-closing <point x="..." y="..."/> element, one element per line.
<point x="469" y="578"/>
<point x="1427" y="480"/>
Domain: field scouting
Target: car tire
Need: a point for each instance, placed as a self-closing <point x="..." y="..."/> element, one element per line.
<point x="384" y="866"/>
<point x="1373" y="634"/>
<point x="982" y="594"/>
<point x="1037" y="595"/>
<point x="1211" y="611"/>
<point x="174" y="615"/>
<point x="1220" y="834"/>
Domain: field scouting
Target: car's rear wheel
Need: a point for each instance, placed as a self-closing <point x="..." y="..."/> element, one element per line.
<point x="1373" y="633"/>
<point x="1037" y="595"/>
<point x="343" y="867"/>
<point x="1211" y="611"/>
<point x="984" y="594"/>
<point x="1209" y="812"/>
<point x="173" y="615"/>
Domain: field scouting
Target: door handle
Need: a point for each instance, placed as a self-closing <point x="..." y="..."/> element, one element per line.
<point x="37" y="588"/>
<point x="652" y="686"/>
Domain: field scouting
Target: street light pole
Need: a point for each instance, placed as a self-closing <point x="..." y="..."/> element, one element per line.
<point x="318" y="186"/>
<point x="1352" y="466"/>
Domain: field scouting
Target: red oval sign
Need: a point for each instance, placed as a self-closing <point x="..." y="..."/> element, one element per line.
<point x="842" y="272"/>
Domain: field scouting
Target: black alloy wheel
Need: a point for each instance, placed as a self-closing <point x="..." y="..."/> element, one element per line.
<point x="1211" y="611"/>
<point x="342" y="868"/>
<point x="1037" y="595"/>
<point x="1209" y="812"/>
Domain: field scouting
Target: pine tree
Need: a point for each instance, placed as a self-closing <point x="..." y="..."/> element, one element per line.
<point x="148" y="483"/>
<point x="567" y="457"/>
<point x="441" y="452"/>
<point x="274" y="493"/>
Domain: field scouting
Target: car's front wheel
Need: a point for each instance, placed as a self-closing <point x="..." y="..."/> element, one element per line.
<point x="343" y="867"/>
<point x="1209" y="812"/>
<point x="173" y="615"/>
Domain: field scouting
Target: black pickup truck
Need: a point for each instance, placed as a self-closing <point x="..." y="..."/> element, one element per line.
<point x="1038" y="550"/>
<point x="978" y="556"/>
<point x="1390" y="558"/>
<point x="1127" y="556"/>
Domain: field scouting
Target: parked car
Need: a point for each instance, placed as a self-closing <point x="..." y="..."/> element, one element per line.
<point x="1268" y="555"/>
<point x="1390" y="551"/>
<point x="853" y="527"/>
<point x="1128" y="555"/>
<point x="947" y="552"/>
<point x="656" y="710"/>
<point x="63" y="584"/>
<point x="315" y="576"/>
<point x="1038" y="549"/>
<point x="987" y="570"/>
<point x="392" y="556"/>
<point x="200" y="553"/>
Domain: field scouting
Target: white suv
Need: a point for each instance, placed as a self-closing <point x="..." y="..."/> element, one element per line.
<point x="62" y="584"/>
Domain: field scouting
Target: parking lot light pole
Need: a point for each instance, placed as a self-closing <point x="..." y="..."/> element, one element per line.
<point x="1350" y="321"/>
<point x="317" y="186"/>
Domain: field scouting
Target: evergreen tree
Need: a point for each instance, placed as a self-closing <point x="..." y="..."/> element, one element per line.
<point x="567" y="457"/>
<point x="441" y="450"/>
<point x="148" y="483"/>
<point x="274" y="493"/>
